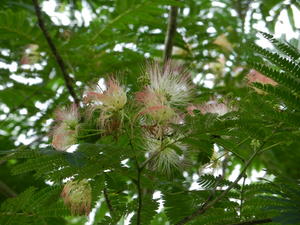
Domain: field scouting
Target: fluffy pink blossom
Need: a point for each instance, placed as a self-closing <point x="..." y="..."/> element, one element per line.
<point x="154" y="106"/>
<point x="112" y="99"/>
<point x="109" y="102"/>
<point x="67" y="115"/>
<point x="77" y="195"/>
<point x="210" y="107"/>
<point x="168" y="87"/>
<point x="255" y="76"/>
<point x="65" y="132"/>
<point x="171" y="84"/>
<point x="159" y="113"/>
<point x="63" y="137"/>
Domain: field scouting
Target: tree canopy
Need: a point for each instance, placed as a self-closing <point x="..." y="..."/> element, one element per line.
<point x="149" y="112"/>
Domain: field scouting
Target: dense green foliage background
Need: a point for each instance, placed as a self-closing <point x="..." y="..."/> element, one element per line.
<point x="122" y="36"/>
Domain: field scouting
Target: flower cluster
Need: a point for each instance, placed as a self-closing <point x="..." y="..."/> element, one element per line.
<point x="168" y="89"/>
<point x="158" y="109"/>
<point x="66" y="130"/>
<point x="77" y="195"/>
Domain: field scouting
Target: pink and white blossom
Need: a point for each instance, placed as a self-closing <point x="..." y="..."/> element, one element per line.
<point x="63" y="137"/>
<point x="77" y="195"/>
<point x="64" y="134"/>
<point x="213" y="107"/>
<point x="167" y="89"/>
<point x="111" y="100"/>
<point x="255" y="76"/>
<point x="68" y="115"/>
<point x="171" y="84"/>
<point x="165" y="158"/>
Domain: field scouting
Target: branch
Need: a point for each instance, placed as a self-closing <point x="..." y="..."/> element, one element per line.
<point x="118" y="18"/>
<point x="207" y="205"/>
<point x="17" y="214"/>
<point x="171" y="31"/>
<point x="108" y="203"/>
<point x="58" y="58"/>
<point x="261" y="221"/>
<point x="6" y="190"/>
<point x="242" y="196"/>
<point x="140" y="203"/>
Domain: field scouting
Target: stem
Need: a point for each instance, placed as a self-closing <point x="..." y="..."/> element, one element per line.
<point x="16" y="214"/>
<point x="6" y="190"/>
<point x="155" y="154"/>
<point x="242" y="196"/>
<point x="68" y="80"/>
<point x="171" y="31"/>
<point x="271" y="146"/>
<point x="90" y="135"/>
<point x="207" y="205"/>
<point x="118" y="18"/>
<point x="140" y="202"/>
<point x="259" y="221"/>
<point x="107" y="200"/>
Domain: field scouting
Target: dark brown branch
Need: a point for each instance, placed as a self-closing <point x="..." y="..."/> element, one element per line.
<point x="171" y="31"/>
<point x="261" y="221"/>
<point x="68" y="80"/>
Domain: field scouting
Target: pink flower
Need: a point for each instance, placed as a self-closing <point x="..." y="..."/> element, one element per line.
<point x="154" y="106"/>
<point x="170" y="84"/>
<point x="110" y="100"/>
<point x="65" y="132"/>
<point x="167" y="88"/>
<point x="166" y="158"/>
<point x="63" y="137"/>
<point x="190" y="109"/>
<point x="68" y="115"/>
<point x="210" y="107"/>
<point x="255" y="76"/>
<point x="159" y="113"/>
<point x="77" y="195"/>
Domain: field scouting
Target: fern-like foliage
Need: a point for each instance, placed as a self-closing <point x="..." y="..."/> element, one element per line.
<point x="34" y="207"/>
<point x="16" y="25"/>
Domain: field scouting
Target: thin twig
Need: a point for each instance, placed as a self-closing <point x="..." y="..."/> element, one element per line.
<point x="68" y="80"/>
<point x="208" y="205"/>
<point x="259" y="221"/>
<point x="171" y="31"/>
<point x="6" y="190"/>
<point x="242" y="196"/>
<point x="117" y="19"/>
<point x="108" y="203"/>
<point x="140" y="202"/>
<point x="17" y="214"/>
